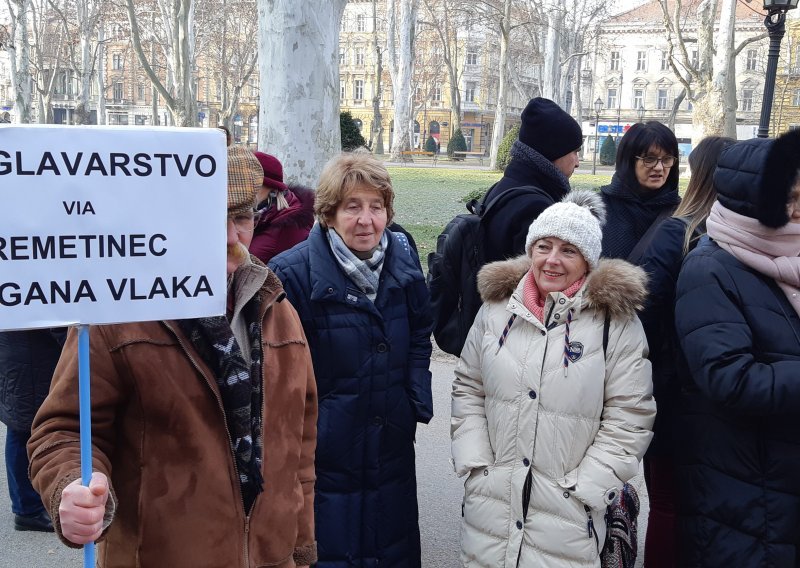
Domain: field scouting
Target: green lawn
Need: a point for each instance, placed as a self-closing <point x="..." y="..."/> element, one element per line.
<point x="427" y="198"/>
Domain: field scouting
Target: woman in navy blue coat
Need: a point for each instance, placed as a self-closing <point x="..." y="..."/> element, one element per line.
<point x="738" y="299"/>
<point x="362" y="299"/>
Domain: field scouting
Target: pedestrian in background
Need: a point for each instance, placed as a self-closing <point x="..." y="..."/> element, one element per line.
<point x="643" y="189"/>
<point x="285" y="214"/>
<point x="544" y="157"/>
<point x="363" y="303"/>
<point x="203" y="429"/>
<point x="673" y="239"/>
<point x="737" y="315"/>
<point x="552" y="400"/>
<point x="27" y="361"/>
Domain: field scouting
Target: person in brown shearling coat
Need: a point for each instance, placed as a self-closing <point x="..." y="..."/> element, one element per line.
<point x="204" y="430"/>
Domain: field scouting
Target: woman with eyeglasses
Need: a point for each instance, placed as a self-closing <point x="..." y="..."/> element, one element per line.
<point x="643" y="190"/>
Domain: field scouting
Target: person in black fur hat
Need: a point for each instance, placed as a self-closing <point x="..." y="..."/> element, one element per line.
<point x="543" y="159"/>
<point x="737" y="315"/>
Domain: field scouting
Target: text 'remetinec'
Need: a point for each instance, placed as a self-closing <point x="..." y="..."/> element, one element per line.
<point x="111" y="224"/>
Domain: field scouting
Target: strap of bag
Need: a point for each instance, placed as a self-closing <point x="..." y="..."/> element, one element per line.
<point x="647" y="238"/>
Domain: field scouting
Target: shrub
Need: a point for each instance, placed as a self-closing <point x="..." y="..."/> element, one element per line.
<point x="351" y="137"/>
<point x="504" y="150"/>
<point x="608" y="151"/>
<point x="456" y="143"/>
<point x="430" y="144"/>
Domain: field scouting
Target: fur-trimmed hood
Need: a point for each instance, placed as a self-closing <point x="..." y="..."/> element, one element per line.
<point x="616" y="286"/>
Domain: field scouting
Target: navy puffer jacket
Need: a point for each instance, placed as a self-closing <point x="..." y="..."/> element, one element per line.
<point x="738" y="469"/>
<point x="371" y="364"/>
<point x="27" y="361"/>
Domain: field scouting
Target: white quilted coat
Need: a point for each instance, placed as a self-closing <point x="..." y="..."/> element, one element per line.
<point x="581" y="430"/>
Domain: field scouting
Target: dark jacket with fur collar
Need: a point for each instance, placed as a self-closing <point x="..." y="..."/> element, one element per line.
<point x="580" y="428"/>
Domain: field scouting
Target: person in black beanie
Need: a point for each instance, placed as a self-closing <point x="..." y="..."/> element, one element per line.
<point x="543" y="158"/>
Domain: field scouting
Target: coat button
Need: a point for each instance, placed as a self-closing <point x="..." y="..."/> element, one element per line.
<point x="526" y="462"/>
<point x="557" y="316"/>
<point x="519" y="524"/>
<point x="378" y="421"/>
<point x="330" y="290"/>
<point x="566" y="494"/>
<point x="562" y="301"/>
<point x="485" y="472"/>
<point x="532" y="394"/>
<point x="381" y="348"/>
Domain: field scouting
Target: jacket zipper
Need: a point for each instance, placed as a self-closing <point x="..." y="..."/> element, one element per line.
<point x="590" y="528"/>
<point x="530" y="467"/>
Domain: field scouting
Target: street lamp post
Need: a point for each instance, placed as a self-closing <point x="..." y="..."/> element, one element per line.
<point x="640" y="113"/>
<point x="598" y="106"/>
<point x="775" y="23"/>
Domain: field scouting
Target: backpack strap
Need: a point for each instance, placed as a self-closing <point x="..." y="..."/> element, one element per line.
<point x="636" y="254"/>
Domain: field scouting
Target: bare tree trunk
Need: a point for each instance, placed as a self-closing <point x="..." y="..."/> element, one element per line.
<point x="178" y="94"/>
<point x="448" y="36"/>
<point x="376" y="134"/>
<point x="500" y="109"/>
<point x="298" y="62"/>
<point x="101" y="76"/>
<point x="400" y="26"/>
<point x="19" y="60"/>
<point x="87" y="13"/>
<point x="552" y="55"/>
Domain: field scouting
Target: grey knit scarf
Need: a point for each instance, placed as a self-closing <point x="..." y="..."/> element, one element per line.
<point x="365" y="274"/>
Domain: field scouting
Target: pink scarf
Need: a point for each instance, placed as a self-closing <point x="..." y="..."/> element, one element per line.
<point x="772" y="252"/>
<point x="534" y="301"/>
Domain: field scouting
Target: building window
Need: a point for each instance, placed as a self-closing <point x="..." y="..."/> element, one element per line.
<point x="359" y="57"/>
<point x="614" y="61"/>
<point x="140" y="119"/>
<point x="437" y="96"/>
<point x="361" y="22"/>
<point x="116" y="62"/>
<point x="117" y="93"/>
<point x="118" y="118"/>
<point x="641" y="61"/>
<point x="140" y="91"/>
<point x="358" y="90"/>
<point x="469" y="92"/>
<point x="611" y="98"/>
<point x="638" y="98"/>
<point x="341" y="57"/>
<point x="747" y="100"/>
<point x="665" y="60"/>
<point x="752" y="59"/>
<point x="662" y="99"/>
<point x="472" y="58"/>
<point x="341" y="90"/>
<point x="796" y="98"/>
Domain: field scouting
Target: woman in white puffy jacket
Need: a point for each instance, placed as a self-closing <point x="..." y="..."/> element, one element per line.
<point x="547" y="423"/>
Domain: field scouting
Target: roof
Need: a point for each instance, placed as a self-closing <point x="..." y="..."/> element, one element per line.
<point x="650" y="12"/>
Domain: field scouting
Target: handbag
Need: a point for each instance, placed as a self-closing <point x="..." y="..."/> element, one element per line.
<point x="620" y="547"/>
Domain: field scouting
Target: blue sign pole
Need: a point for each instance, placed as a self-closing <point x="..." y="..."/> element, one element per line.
<point x="85" y="407"/>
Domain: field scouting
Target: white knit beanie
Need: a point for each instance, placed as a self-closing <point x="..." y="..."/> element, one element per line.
<point x="577" y="219"/>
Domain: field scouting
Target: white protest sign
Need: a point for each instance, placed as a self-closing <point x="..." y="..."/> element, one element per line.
<point x="111" y="224"/>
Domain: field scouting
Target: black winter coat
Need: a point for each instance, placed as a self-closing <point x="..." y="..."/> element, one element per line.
<point x="371" y="364"/>
<point x="662" y="261"/>
<point x="507" y="228"/>
<point x="628" y="216"/>
<point x="27" y="361"/>
<point x="738" y="472"/>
